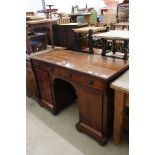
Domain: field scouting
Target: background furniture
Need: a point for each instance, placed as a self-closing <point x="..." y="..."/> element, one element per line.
<point x="115" y="36"/>
<point x="48" y="12"/>
<point x="30" y="13"/>
<point x="44" y="23"/>
<point x="121" y="26"/>
<point x="85" y="33"/>
<point x="62" y="34"/>
<point x="80" y="76"/>
<point x="74" y="17"/>
<point x="121" y="87"/>
<point x="37" y="42"/>
<point x="123" y="11"/>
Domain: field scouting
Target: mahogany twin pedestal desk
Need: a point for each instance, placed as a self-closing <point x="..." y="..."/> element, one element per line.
<point x="64" y="76"/>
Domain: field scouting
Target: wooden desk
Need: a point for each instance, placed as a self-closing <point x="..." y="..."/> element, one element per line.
<point x="114" y="35"/>
<point x="121" y="86"/>
<point x="64" y="76"/>
<point x="44" y="23"/>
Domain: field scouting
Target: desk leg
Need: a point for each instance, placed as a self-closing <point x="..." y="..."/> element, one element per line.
<point x="118" y="116"/>
<point x="51" y="35"/>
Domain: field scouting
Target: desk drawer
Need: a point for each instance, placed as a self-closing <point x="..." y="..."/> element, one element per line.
<point x="41" y="65"/>
<point x="80" y="78"/>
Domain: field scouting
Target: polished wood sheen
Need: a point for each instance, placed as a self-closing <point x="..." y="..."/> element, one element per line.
<point x="72" y="75"/>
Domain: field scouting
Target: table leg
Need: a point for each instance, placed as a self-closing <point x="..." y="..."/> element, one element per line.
<point x="90" y="41"/>
<point x="118" y="116"/>
<point x="113" y="47"/>
<point x="104" y="43"/>
<point x="126" y="44"/>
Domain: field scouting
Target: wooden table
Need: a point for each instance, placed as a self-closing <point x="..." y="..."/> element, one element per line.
<point x="44" y="23"/>
<point x="121" y="86"/>
<point x="114" y="35"/>
<point x="64" y="76"/>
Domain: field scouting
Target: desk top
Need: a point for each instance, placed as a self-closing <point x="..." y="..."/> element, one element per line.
<point x="122" y="83"/>
<point x="86" y="29"/>
<point x="101" y="67"/>
<point x="114" y="34"/>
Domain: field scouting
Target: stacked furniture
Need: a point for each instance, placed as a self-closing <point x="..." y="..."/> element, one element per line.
<point x="123" y="11"/>
<point x="32" y="25"/>
<point x="85" y="33"/>
<point x="62" y="33"/>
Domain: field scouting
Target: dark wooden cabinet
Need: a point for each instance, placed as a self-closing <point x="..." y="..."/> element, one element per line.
<point x="64" y="76"/>
<point x="63" y="35"/>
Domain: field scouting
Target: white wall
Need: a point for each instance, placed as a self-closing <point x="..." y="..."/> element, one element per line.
<point x="33" y="5"/>
<point x="64" y="5"/>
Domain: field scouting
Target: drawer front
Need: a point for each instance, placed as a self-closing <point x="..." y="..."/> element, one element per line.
<point x="41" y="65"/>
<point x="80" y="78"/>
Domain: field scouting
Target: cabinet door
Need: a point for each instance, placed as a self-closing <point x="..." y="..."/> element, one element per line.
<point x="44" y="84"/>
<point x="90" y="108"/>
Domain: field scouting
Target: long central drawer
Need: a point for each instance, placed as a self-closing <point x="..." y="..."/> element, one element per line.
<point x="80" y="78"/>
